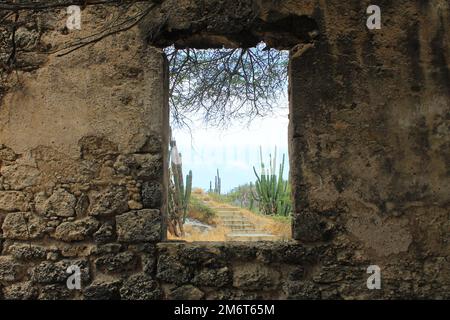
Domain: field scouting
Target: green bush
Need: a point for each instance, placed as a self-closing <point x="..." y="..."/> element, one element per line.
<point x="201" y="212"/>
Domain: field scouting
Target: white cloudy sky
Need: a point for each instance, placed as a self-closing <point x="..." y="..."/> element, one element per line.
<point x="233" y="151"/>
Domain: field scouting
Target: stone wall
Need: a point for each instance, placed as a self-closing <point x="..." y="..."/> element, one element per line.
<point x="84" y="143"/>
<point x="82" y="159"/>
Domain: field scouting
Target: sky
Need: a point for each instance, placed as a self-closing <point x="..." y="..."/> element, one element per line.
<point x="234" y="151"/>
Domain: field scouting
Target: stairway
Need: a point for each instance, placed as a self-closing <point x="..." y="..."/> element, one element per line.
<point x="242" y="229"/>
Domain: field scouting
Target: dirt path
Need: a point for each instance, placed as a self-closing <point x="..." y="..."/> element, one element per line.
<point x="241" y="227"/>
<point x="233" y="223"/>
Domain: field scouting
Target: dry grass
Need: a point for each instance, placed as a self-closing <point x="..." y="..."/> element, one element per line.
<point x="198" y="191"/>
<point x="278" y="227"/>
<point x="282" y="229"/>
<point x="192" y="235"/>
<point x="201" y="212"/>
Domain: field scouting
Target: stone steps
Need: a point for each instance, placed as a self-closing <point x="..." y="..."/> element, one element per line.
<point x="242" y="229"/>
<point x="230" y="216"/>
<point x="250" y="237"/>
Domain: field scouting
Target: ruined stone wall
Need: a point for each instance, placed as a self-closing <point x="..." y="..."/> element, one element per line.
<point x="369" y="141"/>
<point x="82" y="158"/>
<point x="369" y="156"/>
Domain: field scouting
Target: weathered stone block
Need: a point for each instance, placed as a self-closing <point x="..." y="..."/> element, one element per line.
<point x="151" y="194"/>
<point x="105" y="233"/>
<point x="27" y="252"/>
<point x="186" y="292"/>
<point x="232" y="294"/>
<point x="96" y="148"/>
<point x="77" y="249"/>
<point x="140" y="287"/>
<point x="40" y="201"/>
<point x="13" y="201"/>
<point x="148" y="263"/>
<point x="213" y="278"/>
<point x="135" y="205"/>
<point x="139" y="226"/>
<point x="61" y="204"/>
<point x="50" y="272"/>
<point x="82" y="205"/>
<point x="20" y="291"/>
<point x="9" y="269"/>
<point x="172" y="271"/>
<point x="240" y="252"/>
<point x="200" y="255"/>
<point x="7" y="154"/>
<point x="152" y="143"/>
<point x="18" y="177"/>
<point x="331" y="274"/>
<point x="301" y="290"/>
<point x="255" y="277"/>
<point x="286" y="252"/>
<point x="148" y="256"/>
<point x="143" y="247"/>
<point x="103" y="290"/>
<point x="107" y="248"/>
<point x="111" y="201"/>
<point x="55" y="292"/>
<point x="149" y="166"/>
<point x="297" y="273"/>
<point x="125" y="164"/>
<point x="116" y="263"/>
<point x="23" y="226"/>
<point x="77" y="230"/>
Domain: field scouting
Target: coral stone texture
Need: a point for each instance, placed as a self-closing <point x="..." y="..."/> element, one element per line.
<point x="84" y="139"/>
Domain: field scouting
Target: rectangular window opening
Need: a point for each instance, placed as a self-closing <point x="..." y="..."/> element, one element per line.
<point x="228" y="153"/>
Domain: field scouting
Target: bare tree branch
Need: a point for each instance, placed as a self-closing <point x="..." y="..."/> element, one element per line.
<point x="221" y="85"/>
<point x="127" y="24"/>
<point x="216" y="85"/>
<point x="54" y="4"/>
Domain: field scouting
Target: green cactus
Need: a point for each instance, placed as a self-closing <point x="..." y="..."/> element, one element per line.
<point x="272" y="192"/>
<point x="217" y="183"/>
<point x="179" y="192"/>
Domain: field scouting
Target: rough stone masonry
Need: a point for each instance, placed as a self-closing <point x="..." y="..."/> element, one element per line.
<point x="84" y="138"/>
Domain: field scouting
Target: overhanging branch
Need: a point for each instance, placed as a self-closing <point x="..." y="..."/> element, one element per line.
<point x="54" y="4"/>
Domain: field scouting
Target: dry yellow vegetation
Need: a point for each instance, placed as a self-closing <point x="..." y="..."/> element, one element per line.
<point x="278" y="227"/>
<point x="193" y="235"/>
<point x="282" y="229"/>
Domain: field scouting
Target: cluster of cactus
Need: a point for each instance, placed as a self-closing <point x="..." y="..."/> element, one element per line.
<point x="217" y="184"/>
<point x="179" y="192"/>
<point x="272" y="192"/>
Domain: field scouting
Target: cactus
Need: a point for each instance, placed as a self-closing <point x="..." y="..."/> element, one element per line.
<point x="179" y="192"/>
<point x="272" y="192"/>
<point x="218" y="183"/>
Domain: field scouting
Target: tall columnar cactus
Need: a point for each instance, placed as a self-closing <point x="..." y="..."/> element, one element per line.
<point x="180" y="193"/>
<point x="217" y="183"/>
<point x="272" y="192"/>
